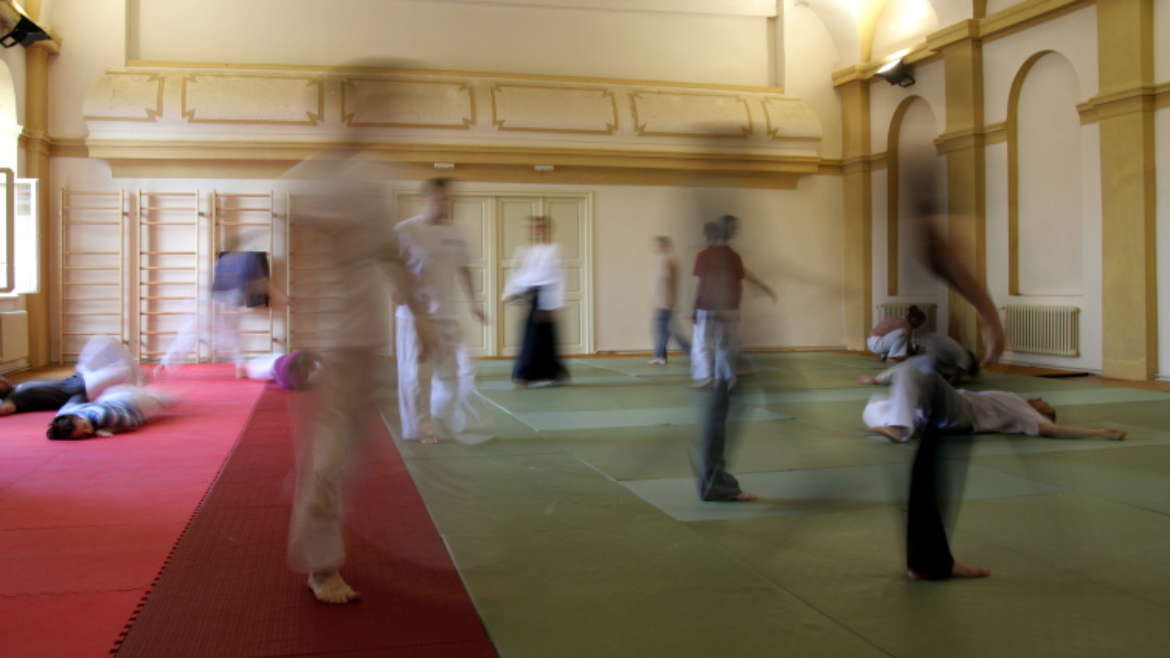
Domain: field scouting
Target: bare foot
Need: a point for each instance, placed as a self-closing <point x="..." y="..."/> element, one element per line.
<point x="241" y="372"/>
<point x="1114" y="434"/>
<point x="329" y="587"/>
<point x="867" y="379"/>
<point x="745" y="497"/>
<point x="429" y="440"/>
<point x="959" y="570"/>
<point x="520" y="383"/>
<point x="892" y="433"/>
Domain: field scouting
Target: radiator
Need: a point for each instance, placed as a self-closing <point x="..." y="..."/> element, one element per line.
<point x="898" y="309"/>
<point x="1043" y="329"/>
<point x="13" y="336"/>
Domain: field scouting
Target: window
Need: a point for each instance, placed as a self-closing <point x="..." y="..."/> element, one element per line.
<point x="26" y="251"/>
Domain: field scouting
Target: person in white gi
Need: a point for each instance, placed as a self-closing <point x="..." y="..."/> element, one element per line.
<point x="919" y="400"/>
<point x="432" y="396"/>
<point x="891" y="337"/>
<point x="345" y="199"/>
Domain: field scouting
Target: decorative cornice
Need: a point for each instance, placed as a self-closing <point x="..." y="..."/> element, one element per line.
<point x="540" y="77"/>
<point x="959" y="140"/>
<point x="1002" y="23"/>
<point x="1025" y="15"/>
<point x="1137" y="99"/>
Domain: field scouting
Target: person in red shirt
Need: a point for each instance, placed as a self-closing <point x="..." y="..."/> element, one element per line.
<point x="717" y="297"/>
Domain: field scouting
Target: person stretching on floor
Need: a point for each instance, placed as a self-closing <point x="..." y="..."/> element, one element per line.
<point x="103" y="362"/>
<point x="120" y="408"/>
<point x="299" y="369"/>
<point x="890" y="338"/>
<point x="919" y="400"/>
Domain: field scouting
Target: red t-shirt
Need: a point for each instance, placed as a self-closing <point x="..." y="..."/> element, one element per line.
<point x="720" y="273"/>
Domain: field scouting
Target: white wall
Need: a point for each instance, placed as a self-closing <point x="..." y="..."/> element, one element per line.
<point x="648" y="45"/>
<point x="1049" y="157"/>
<point x="999" y="5"/>
<point x="811" y="77"/>
<point x="1073" y="36"/>
<point x="1162" y="131"/>
<point x="903" y="24"/>
<point x="93" y="40"/>
<point x="789" y="238"/>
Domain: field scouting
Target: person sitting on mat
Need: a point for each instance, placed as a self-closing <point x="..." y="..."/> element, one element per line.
<point x="103" y="362"/>
<point x="299" y="369"/>
<point x="890" y="338"/>
<point x="921" y="399"/>
<point x="119" y="409"/>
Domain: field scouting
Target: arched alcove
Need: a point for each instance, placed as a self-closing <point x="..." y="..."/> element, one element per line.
<point x="9" y="123"/>
<point x="913" y="130"/>
<point x="1045" y="200"/>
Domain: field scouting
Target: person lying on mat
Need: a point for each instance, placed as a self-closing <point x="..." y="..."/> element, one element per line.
<point x="299" y="369"/>
<point x="104" y="362"/>
<point x="119" y="409"/>
<point x="921" y="400"/>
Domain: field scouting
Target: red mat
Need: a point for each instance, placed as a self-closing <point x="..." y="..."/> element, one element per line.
<point x="226" y="590"/>
<point x="85" y="526"/>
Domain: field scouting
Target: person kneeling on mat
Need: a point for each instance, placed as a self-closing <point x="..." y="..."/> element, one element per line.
<point x="119" y="409"/>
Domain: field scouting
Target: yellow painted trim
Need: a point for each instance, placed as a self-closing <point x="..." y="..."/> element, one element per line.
<point x="1026" y="15"/>
<point x="460" y="154"/>
<point x="640" y="126"/>
<point x="151" y="114"/>
<point x="1022" y="16"/>
<point x="1134" y="100"/>
<point x="995" y="133"/>
<point x="611" y="126"/>
<point x="144" y="63"/>
<point x="313" y="118"/>
<point x="464" y="124"/>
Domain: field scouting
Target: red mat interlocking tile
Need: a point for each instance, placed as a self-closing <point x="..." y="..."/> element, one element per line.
<point x="85" y="526"/>
<point x="226" y="590"/>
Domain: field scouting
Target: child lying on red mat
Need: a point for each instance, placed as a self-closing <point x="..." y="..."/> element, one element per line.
<point x="119" y="409"/>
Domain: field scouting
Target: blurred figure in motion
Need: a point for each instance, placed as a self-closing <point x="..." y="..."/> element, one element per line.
<point x="431" y="391"/>
<point x="714" y="443"/>
<point x="946" y="356"/>
<point x="240" y="282"/>
<point x="344" y="197"/>
<point x="890" y="337"/>
<point x="665" y="299"/>
<point x="103" y="362"/>
<point x="717" y="298"/>
<point x="297" y="370"/>
<point x="928" y="554"/>
<point x="539" y="281"/>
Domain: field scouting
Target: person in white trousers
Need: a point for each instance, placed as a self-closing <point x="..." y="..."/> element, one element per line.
<point x="431" y="392"/>
<point x="345" y="198"/>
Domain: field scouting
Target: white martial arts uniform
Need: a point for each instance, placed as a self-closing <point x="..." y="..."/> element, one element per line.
<point x="347" y="200"/>
<point x="919" y="399"/>
<point x="949" y="355"/>
<point x="431" y="393"/>
<point x="892" y="345"/>
<point x="539" y="267"/>
<point x="103" y="363"/>
<point x="224" y="331"/>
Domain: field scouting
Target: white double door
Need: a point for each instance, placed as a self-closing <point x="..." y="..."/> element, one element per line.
<point x="495" y="225"/>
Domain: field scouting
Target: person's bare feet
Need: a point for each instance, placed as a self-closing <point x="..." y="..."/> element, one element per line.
<point x="745" y="497"/>
<point x="867" y="379"/>
<point x="329" y="587"/>
<point x="959" y="570"/>
<point x="892" y="433"/>
<point x="1114" y="434"/>
<point x="428" y="439"/>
